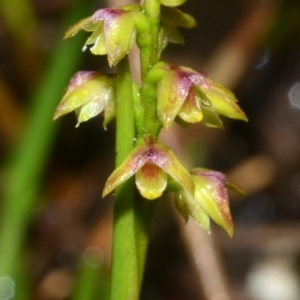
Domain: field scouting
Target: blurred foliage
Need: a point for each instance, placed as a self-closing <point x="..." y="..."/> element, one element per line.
<point x="51" y="182"/>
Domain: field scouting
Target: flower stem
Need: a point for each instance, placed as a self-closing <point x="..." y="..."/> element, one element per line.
<point x="125" y="283"/>
<point x="145" y="210"/>
<point x="149" y="56"/>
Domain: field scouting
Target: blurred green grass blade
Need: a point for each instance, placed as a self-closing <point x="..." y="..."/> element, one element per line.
<point x="29" y="159"/>
<point x="92" y="283"/>
<point x="17" y="15"/>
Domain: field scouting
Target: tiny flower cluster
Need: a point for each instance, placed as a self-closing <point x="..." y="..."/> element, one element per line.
<point x="181" y="93"/>
<point x="201" y="193"/>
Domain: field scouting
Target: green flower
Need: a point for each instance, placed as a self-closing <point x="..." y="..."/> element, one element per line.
<point x="210" y="200"/>
<point x="113" y="32"/>
<point x="190" y="95"/>
<point x="88" y="94"/>
<point x="151" y="162"/>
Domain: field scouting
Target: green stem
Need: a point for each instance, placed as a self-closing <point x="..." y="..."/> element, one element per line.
<point x="149" y="54"/>
<point x="125" y="284"/>
<point x="145" y="210"/>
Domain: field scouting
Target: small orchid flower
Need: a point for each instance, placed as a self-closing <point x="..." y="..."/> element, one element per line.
<point x="210" y="200"/>
<point x="89" y="93"/>
<point x="151" y="162"/>
<point x="113" y="32"/>
<point x="192" y="96"/>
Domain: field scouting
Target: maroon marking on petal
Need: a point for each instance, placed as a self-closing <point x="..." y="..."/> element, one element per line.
<point x="80" y="78"/>
<point x="150" y="170"/>
<point x="107" y="14"/>
<point x="151" y="154"/>
<point x="215" y="176"/>
<point x="184" y="83"/>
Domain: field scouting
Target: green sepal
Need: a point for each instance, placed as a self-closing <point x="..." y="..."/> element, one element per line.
<point x="223" y="100"/>
<point x="235" y="188"/>
<point x="172" y="3"/>
<point x="177" y="17"/>
<point x="210" y="117"/>
<point x="188" y="206"/>
<point x="211" y="194"/>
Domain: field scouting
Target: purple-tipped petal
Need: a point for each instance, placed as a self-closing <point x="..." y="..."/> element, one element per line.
<point x="167" y="160"/>
<point x="134" y="161"/>
<point x="88" y="94"/>
<point x="211" y="194"/>
<point x="172" y="91"/>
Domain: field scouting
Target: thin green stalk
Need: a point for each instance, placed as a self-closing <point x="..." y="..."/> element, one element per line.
<point x="125" y="283"/>
<point x="29" y="160"/>
<point x="91" y="283"/>
<point x="148" y="56"/>
<point x="145" y="210"/>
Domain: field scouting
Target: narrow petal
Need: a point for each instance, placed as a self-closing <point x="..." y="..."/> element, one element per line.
<point x="120" y="34"/>
<point x="95" y="35"/>
<point x="76" y="27"/>
<point x="177" y="17"/>
<point x="90" y="110"/>
<point x="172" y="3"/>
<point x="188" y="206"/>
<point x="210" y="117"/>
<point x="172" y="33"/>
<point x="223" y="100"/>
<point x="110" y="109"/>
<point x="151" y="181"/>
<point x="82" y="87"/>
<point x="211" y="194"/>
<point x="190" y="111"/>
<point x="166" y="159"/>
<point x="171" y="93"/>
<point x="235" y="188"/>
<point x="99" y="47"/>
<point x="135" y="160"/>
